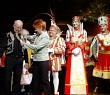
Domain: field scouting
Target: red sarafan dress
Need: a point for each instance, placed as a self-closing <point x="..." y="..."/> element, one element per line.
<point x="76" y="80"/>
<point x="102" y="67"/>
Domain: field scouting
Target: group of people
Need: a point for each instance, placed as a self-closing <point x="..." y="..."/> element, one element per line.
<point x="51" y="54"/>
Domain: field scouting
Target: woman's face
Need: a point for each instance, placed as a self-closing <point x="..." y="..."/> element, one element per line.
<point x="76" y="24"/>
<point x="38" y="29"/>
<point x="103" y="27"/>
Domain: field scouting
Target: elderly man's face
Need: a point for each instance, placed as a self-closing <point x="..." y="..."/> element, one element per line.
<point x="18" y="27"/>
<point x="52" y="31"/>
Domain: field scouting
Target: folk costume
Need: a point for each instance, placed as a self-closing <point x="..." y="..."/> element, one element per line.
<point x="57" y="58"/>
<point x="100" y="51"/>
<point x="76" y="40"/>
<point x="56" y="53"/>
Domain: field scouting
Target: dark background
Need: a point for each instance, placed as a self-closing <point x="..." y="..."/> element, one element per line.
<point x="27" y="10"/>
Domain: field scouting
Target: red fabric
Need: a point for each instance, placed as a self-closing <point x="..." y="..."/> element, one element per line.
<point x="67" y="77"/>
<point x="67" y="81"/>
<point x="67" y="44"/>
<point x="87" y="89"/>
<point x="2" y="60"/>
<point x="69" y="48"/>
<point x="103" y="62"/>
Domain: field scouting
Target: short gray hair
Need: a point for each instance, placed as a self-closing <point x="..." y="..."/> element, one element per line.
<point x="24" y="32"/>
<point x="18" y="22"/>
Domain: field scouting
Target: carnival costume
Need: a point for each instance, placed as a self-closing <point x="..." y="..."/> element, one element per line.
<point x="76" y="40"/>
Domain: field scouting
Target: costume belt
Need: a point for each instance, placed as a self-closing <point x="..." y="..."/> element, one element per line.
<point x="104" y="52"/>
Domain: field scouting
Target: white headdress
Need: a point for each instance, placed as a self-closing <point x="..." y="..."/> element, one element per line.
<point x="103" y="20"/>
<point x="53" y="23"/>
<point x="58" y="28"/>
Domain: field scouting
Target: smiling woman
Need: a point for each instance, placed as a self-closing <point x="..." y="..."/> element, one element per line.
<point x="40" y="57"/>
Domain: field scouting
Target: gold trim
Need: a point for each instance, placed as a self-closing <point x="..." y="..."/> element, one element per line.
<point x="104" y="52"/>
<point x="97" y="70"/>
<point x="29" y="57"/>
<point x="75" y="84"/>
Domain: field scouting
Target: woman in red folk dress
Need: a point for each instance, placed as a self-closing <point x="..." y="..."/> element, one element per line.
<point x="100" y="51"/>
<point x="76" y="40"/>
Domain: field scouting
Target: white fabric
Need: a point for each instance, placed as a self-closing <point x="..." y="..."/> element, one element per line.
<point x="26" y="77"/>
<point x="76" y="51"/>
<point x="49" y="75"/>
<point x="50" y="50"/>
<point x="96" y="73"/>
<point x="103" y="20"/>
<point x="55" y="81"/>
<point x="78" y="77"/>
<point x="24" y="69"/>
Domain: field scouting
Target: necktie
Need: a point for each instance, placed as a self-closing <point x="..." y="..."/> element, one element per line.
<point x="17" y="36"/>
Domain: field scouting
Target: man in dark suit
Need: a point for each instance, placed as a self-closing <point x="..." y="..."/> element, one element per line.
<point x="14" y="59"/>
